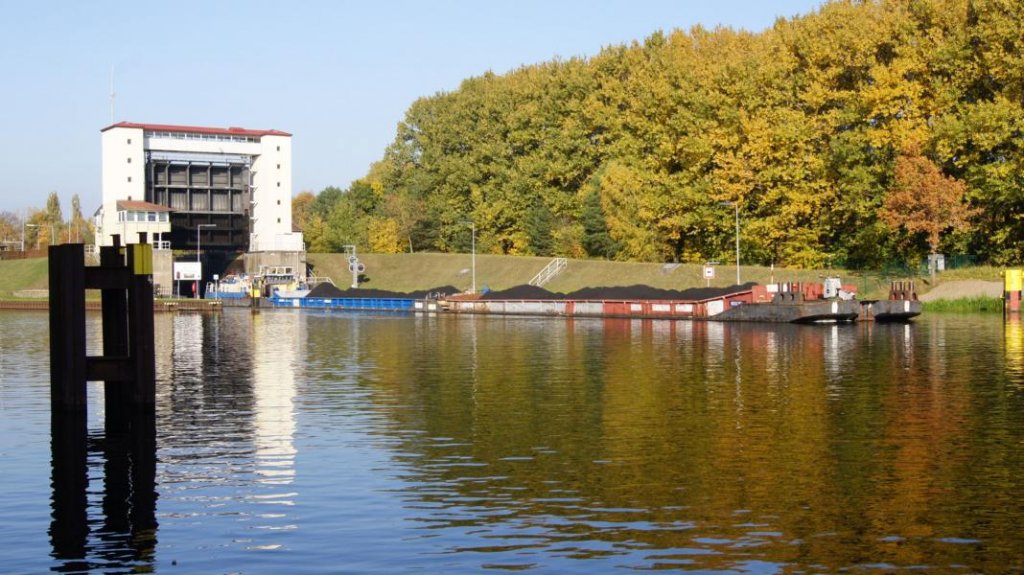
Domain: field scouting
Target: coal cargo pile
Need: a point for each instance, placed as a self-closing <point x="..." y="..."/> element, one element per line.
<point x="331" y="291"/>
<point x="623" y="293"/>
<point x="442" y="291"/>
<point x="616" y="293"/>
<point x="528" y="292"/>
<point x="325" y="290"/>
<point x="522" y="292"/>
<point x="708" y="293"/>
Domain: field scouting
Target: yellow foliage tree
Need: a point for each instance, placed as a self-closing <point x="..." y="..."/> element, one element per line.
<point x="385" y="236"/>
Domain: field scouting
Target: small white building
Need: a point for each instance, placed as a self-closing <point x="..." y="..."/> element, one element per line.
<point x="229" y="189"/>
<point x="135" y="217"/>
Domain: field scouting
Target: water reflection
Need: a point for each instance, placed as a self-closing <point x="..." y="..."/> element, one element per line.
<point x="124" y="538"/>
<point x="623" y="440"/>
<point x="227" y="416"/>
<point x="457" y="444"/>
<point x="274" y="387"/>
<point x="1013" y="338"/>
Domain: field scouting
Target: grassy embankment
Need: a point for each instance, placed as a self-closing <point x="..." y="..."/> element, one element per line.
<point x="966" y="303"/>
<point x="982" y="304"/>
<point x="408" y="272"/>
<point x="20" y="276"/>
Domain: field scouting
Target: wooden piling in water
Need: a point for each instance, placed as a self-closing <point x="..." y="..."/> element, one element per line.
<point x="128" y="370"/>
<point x="127" y="366"/>
<point x="67" y="328"/>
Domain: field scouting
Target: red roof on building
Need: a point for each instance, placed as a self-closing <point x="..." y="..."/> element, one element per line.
<point x="198" y="129"/>
<point x="137" y="206"/>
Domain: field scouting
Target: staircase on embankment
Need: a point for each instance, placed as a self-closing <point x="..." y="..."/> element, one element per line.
<point x="551" y="270"/>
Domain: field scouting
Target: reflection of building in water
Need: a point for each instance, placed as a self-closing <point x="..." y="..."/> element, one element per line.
<point x="714" y="337"/>
<point x="275" y="339"/>
<point x="188" y="345"/>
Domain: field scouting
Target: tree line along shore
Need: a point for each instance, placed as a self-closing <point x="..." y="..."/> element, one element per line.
<point x="859" y="134"/>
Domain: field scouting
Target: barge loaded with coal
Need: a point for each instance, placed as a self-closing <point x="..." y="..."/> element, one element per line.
<point x="802" y="302"/>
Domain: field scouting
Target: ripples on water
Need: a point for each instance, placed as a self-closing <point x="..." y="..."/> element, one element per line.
<point x="328" y="442"/>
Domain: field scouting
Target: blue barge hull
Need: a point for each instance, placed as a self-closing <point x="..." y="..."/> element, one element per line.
<point x="344" y="303"/>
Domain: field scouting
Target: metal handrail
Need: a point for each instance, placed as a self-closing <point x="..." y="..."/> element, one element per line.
<point x="550" y="271"/>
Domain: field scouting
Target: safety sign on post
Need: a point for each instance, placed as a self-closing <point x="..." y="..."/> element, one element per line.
<point x="709" y="273"/>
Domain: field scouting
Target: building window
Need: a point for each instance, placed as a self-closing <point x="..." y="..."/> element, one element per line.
<point x="129" y="179"/>
<point x="129" y="160"/>
<point x="279" y="184"/>
<point x="279" y="166"/>
<point x="279" y="148"/>
<point x="278" y="220"/>
<point x="151" y="216"/>
<point x="279" y="202"/>
<point x="129" y="141"/>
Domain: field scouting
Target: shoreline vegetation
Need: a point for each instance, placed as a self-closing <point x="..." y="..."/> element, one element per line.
<point x="975" y="304"/>
<point x="965" y="290"/>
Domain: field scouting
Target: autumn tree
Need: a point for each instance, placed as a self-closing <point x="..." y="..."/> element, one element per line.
<point x="301" y="204"/>
<point x="628" y="154"/>
<point x="925" y="201"/>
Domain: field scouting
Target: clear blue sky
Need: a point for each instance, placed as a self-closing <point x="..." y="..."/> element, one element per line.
<point x="338" y="75"/>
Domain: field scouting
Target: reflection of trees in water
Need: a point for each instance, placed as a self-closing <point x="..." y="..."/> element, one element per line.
<point x="794" y="441"/>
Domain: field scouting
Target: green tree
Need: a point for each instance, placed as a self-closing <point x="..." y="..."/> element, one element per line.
<point x="325" y="201"/>
<point x="539" y="227"/>
<point x="53" y="220"/>
<point x="596" y="241"/>
<point x="81" y="230"/>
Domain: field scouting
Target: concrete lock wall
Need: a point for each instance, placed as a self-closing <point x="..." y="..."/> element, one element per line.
<point x="297" y="261"/>
<point x="163" y="263"/>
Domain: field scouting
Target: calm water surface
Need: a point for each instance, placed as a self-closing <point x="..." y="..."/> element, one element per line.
<point x="298" y="442"/>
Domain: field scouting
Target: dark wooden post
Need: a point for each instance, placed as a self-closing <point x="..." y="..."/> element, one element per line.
<point x="67" y="328"/>
<point x="140" y="326"/>
<point x="69" y="525"/>
<point x="69" y="528"/>
<point x="115" y="339"/>
<point x="128" y="369"/>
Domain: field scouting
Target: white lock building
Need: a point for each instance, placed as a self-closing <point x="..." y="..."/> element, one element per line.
<point x="227" y="189"/>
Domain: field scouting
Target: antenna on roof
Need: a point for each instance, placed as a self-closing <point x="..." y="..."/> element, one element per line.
<point x="113" y="95"/>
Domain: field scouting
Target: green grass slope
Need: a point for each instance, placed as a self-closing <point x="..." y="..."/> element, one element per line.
<point x="410" y="272"/>
<point x="27" y="274"/>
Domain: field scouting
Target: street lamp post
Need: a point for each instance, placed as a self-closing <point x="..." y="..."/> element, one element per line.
<point x="736" y="205"/>
<point x="199" y="243"/>
<point x="23" y="226"/>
